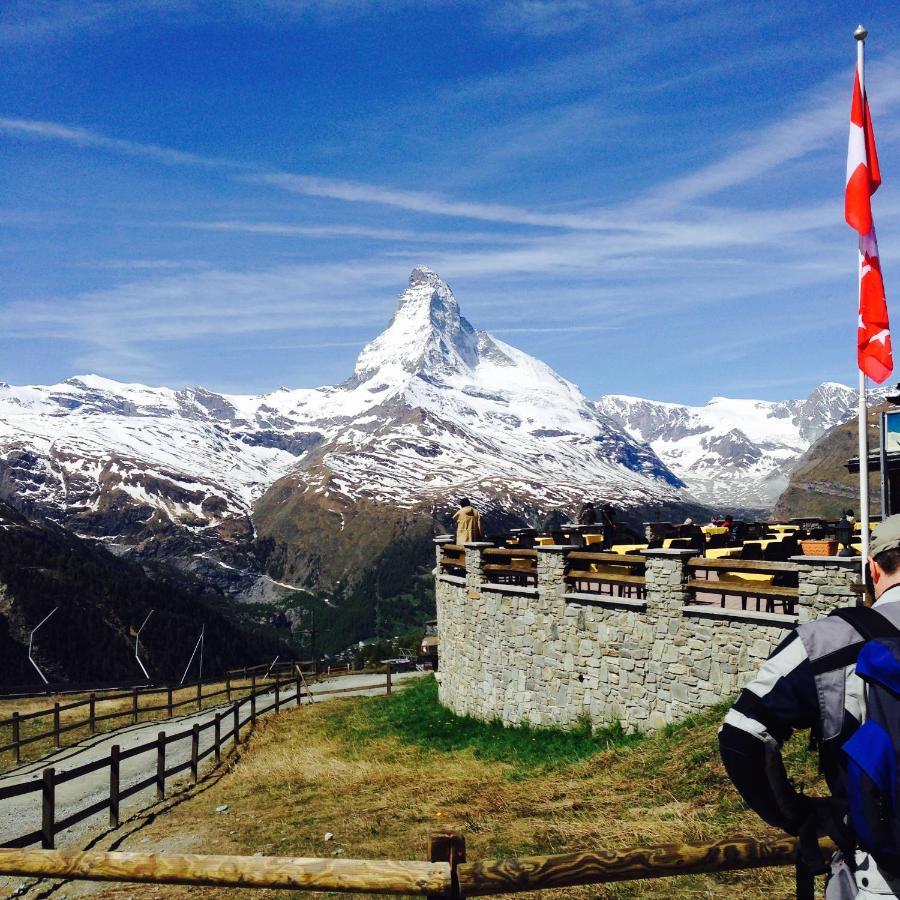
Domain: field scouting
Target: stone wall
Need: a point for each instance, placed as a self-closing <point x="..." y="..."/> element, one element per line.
<point x="550" y="656"/>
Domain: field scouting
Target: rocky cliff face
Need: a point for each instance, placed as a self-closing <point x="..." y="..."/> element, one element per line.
<point x="733" y="453"/>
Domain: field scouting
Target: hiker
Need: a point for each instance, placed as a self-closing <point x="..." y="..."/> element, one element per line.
<point x="588" y="514"/>
<point x="832" y="676"/>
<point x="468" y="523"/>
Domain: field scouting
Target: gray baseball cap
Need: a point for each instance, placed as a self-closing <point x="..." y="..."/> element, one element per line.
<point x="886" y="536"/>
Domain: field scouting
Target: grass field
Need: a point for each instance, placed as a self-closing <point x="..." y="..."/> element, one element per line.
<point x="382" y="773"/>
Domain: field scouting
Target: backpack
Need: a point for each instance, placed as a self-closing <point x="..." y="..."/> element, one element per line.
<point x="867" y="761"/>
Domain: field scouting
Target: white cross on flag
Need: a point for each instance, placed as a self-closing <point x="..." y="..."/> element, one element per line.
<point x="873" y="337"/>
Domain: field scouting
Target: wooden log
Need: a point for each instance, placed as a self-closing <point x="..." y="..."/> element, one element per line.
<point x="350" y="875"/>
<point x="532" y="873"/>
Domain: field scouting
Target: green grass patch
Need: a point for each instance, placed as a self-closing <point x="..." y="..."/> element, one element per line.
<point x="415" y="716"/>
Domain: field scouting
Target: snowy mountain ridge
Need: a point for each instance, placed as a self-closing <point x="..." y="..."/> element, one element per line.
<point x="434" y="409"/>
<point x="733" y="453"/>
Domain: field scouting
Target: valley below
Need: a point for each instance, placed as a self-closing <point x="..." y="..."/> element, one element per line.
<point x="315" y="509"/>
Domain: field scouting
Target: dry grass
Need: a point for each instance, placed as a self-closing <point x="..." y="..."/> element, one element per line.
<point x="382" y="797"/>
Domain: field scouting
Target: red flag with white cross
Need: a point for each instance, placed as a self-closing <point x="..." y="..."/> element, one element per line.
<point x="863" y="179"/>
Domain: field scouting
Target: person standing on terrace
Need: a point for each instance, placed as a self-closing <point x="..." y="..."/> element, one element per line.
<point x="468" y="523"/>
<point x="588" y="514"/>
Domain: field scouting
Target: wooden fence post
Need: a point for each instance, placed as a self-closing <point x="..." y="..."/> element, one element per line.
<point x="217" y="732"/>
<point x="161" y="765"/>
<point x="169" y="700"/>
<point x="253" y="705"/>
<point x="16" y="736"/>
<point x="237" y="722"/>
<point x="92" y="713"/>
<point x="199" y="695"/>
<point x="448" y="846"/>
<point x="114" y="786"/>
<point x="388" y="681"/>
<point x="134" y="707"/>
<point x="56" y="725"/>
<point x="277" y="692"/>
<point x="228" y="688"/>
<point x="195" y="751"/>
<point x="48" y="808"/>
<point x="299" y="686"/>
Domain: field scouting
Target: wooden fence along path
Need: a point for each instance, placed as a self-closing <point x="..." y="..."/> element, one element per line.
<point x="133" y="709"/>
<point x="226" y="728"/>
<point x="446" y="874"/>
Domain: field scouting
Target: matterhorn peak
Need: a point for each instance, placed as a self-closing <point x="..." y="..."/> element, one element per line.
<point x="427" y="335"/>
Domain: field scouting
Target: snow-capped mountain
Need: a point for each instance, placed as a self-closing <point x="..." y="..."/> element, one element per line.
<point x="733" y="453"/>
<point x="434" y="409"/>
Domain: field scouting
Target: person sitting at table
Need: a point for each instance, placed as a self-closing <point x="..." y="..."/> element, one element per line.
<point x="468" y="523"/>
<point x="588" y="514"/>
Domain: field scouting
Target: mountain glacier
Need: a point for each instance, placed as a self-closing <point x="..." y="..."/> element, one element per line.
<point x="733" y="454"/>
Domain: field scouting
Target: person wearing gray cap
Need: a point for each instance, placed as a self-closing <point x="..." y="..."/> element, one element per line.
<point x="839" y="677"/>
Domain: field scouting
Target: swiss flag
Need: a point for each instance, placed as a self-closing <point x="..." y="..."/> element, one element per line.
<point x="863" y="174"/>
<point x="873" y="336"/>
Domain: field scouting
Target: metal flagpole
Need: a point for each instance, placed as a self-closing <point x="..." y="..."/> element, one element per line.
<point x="861" y="34"/>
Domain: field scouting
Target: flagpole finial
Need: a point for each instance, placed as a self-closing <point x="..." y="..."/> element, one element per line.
<point x="860" y="34"/>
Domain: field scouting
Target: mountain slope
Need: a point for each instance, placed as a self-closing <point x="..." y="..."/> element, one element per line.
<point x="733" y="453"/>
<point x="101" y="600"/>
<point x="820" y="484"/>
<point x="227" y="484"/>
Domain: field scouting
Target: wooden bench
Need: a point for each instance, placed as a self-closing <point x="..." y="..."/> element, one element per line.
<point x="770" y="593"/>
<point x="453" y="557"/>
<point x="622" y="571"/>
<point x="522" y="575"/>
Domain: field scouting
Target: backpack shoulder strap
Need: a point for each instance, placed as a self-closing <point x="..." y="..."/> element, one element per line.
<point x="870" y="623"/>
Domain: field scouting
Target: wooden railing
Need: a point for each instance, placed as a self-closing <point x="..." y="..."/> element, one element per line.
<point x="509" y="566"/>
<point x="131" y="711"/>
<point x="242" y="713"/>
<point x="769" y="582"/>
<point x="621" y="575"/>
<point x="446" y="874"/>
<point x="453" y="559"/>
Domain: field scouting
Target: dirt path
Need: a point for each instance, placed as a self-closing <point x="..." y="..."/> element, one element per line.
<point x="21" y="815"/>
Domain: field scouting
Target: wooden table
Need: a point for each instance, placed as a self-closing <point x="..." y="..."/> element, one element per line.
<point x="722" y="552"/>
<point x="625" y="549"/>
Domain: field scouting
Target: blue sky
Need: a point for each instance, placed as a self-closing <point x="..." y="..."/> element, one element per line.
<point x="646" y="195"/>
